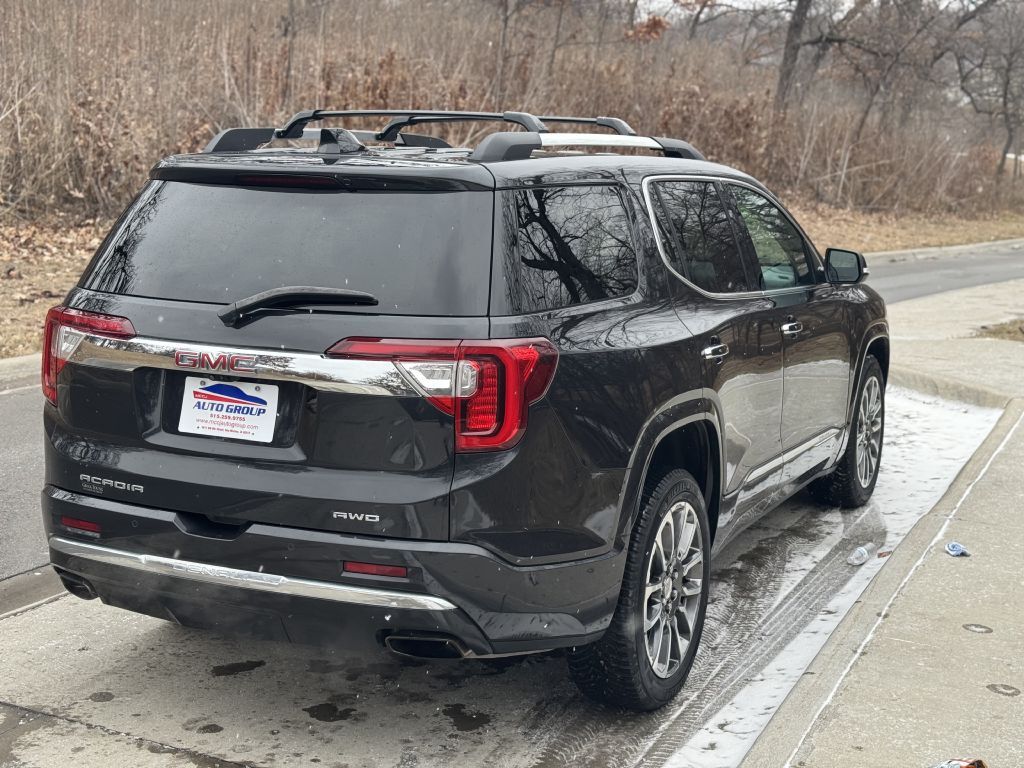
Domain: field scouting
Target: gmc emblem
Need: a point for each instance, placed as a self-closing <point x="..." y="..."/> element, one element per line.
<point x="184" y="358"/>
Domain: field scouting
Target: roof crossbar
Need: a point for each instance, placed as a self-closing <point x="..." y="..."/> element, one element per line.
<point x="403" y="117"/>
<point x="621" y="127"/>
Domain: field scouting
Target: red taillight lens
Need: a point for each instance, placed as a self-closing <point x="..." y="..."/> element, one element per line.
<point x="480" y="413"/>
<point x="487" y="385"/>
<point x="512" y="374"/>
<point x="374" y="569"/>
<point x="62" y="334"/>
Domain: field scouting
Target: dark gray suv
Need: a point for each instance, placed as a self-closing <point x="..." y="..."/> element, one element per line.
<point x="332" y="386"/>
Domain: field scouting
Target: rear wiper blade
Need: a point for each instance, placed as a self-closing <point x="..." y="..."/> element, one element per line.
<point x="293" y="296"/>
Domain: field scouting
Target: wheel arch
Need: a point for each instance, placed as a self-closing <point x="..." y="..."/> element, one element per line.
<point x="875" y="344"/>
<point x="692" y="443"/>
<point x="695" y="448"/>
<point x="878" y="348"/>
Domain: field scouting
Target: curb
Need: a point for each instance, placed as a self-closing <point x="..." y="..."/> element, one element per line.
<point x="948" y="389"/>
<point x="932" y="252"/>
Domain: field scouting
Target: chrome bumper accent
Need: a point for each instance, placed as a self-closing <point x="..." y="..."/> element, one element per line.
<point x="263" y="582"/>
<point x="770" y="466"/>
<point x="367" y="377"/>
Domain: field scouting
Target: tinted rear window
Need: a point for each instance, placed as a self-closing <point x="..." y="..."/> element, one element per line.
<point x="565" y="246"/>
<point x="698" y="236"/>
<point x="419" y="253"/>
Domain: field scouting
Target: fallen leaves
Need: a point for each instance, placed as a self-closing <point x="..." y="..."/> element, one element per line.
<point x="39" y="263"/>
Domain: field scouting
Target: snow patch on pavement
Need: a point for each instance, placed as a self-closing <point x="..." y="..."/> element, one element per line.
<point x="927" y="441"/>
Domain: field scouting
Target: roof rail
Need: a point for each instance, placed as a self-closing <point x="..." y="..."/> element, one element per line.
<point x="403" y="117"/>
<point x="516" y="145"/>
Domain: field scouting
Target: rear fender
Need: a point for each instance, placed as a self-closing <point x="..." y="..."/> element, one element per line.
<point x="679" y="412"/>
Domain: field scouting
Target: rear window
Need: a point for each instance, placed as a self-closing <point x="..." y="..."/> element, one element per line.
<point x="565" y="246"/>
<point x="698" y="236"/>
<point x="419" y="253"/>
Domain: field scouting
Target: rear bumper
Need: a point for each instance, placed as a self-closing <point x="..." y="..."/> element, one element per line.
<point x="261" y="581"/>
<point x="276" y="582"/>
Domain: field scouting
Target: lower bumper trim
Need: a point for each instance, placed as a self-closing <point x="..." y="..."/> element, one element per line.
<point x="263" y="582"/>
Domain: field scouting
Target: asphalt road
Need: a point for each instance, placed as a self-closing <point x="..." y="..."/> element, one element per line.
<point x="937" y="270"/>
<point x="21" y="445"/>
<point x="22" y="545"/>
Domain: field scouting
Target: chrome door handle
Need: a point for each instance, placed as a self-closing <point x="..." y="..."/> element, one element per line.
<point x="715" y="352"/>
<point x="792" y="329"/>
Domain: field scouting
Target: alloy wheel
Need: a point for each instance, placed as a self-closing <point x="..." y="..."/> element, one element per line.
<point x="869" y="431"/>
<point x="672" y="590"/>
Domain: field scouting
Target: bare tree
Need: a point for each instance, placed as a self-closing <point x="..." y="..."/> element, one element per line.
<point x="990" y="65"/>
<point x="703" y="12"/>
<point x="791" y="52"/>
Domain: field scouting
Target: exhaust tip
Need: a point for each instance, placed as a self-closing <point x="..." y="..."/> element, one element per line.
<point x="76" y="585"/>
<point x="426" y="646"/>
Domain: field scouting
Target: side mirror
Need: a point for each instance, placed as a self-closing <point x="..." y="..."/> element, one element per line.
<point x="842" y="266"/>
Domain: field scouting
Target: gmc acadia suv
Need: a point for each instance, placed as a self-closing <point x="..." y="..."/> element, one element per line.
<point x="323" y="386"/>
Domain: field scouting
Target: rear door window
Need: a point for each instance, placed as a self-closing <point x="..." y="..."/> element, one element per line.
<point x="419" y="253"/>
<point x="565" y="246"/>
<point x="697" y="235"/>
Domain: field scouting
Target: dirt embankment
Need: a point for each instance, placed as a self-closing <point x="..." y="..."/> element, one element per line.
<point x="39" y="263"/>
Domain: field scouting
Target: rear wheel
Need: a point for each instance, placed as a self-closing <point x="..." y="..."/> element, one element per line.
<point x="853" y="480"/>
<point x="645" y="656"/>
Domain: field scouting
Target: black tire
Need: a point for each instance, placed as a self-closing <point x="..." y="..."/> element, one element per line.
<point x="843" y="487"/>
<point x="616" y="670"/>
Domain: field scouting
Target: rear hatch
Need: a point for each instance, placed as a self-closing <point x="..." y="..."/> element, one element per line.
<point x="265" y="417"/>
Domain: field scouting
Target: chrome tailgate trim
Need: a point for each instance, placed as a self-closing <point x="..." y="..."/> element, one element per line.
<point x="366" y="377"/>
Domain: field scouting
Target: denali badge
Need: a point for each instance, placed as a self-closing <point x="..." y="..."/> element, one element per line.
<point x="359" y="516"/>
<point x="184" y="358"/>
<point x="227" y="574"/>
<point x="97" y="484"/>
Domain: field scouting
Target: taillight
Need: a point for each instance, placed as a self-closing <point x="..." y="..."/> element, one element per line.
<point x="63" y="333"/>
<point x="488" y="386"/>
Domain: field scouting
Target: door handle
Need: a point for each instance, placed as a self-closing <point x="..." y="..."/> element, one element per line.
<point x="792" y="329"/>
<point x="715" y="352"/>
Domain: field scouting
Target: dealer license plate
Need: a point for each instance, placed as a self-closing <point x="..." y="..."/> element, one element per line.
<point x="236" y="409"/>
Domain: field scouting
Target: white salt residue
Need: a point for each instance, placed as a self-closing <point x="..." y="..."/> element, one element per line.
<point x="927" y="441"/>
<point x="802" y="562"/>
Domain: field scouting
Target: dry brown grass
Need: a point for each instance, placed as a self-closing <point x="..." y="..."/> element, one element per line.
<point x="874" y="232"/>
<point x="1012" y="330"/>
<point x="93" y="92"/>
